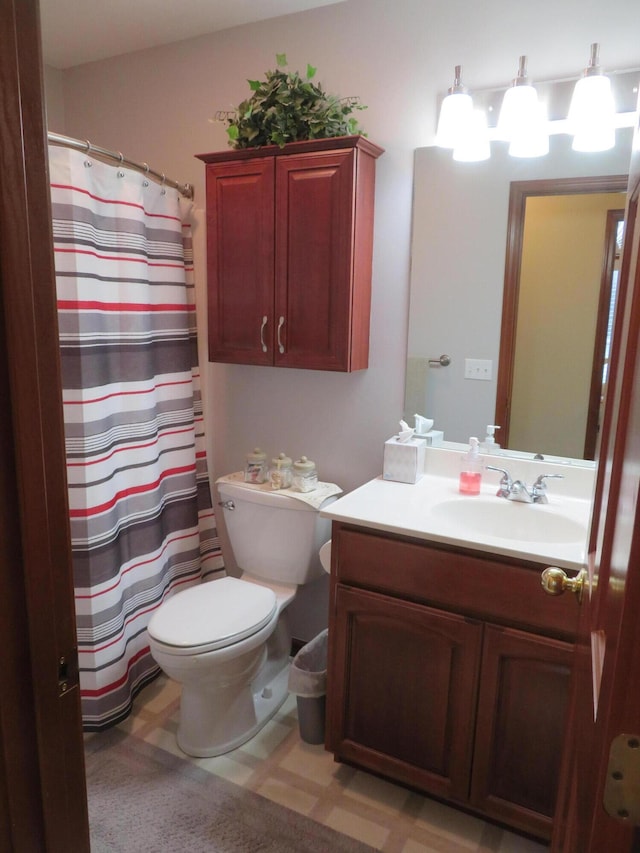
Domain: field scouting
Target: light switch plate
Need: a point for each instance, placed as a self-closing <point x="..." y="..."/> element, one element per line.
<point x="478" y="368"/>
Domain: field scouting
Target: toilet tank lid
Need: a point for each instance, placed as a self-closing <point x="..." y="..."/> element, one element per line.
<point x="212" y="614"/>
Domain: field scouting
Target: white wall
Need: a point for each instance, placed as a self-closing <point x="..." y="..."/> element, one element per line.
<point x="54" y="98"/>
<point x="398" y="57"/>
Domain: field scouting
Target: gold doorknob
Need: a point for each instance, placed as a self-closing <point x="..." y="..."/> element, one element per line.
<point x="555" y="581"/>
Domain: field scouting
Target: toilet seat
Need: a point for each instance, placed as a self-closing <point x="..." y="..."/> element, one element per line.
<point x="211" y="616"/>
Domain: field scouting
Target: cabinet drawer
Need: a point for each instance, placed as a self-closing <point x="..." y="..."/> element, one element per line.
<point x="492" y="587"/>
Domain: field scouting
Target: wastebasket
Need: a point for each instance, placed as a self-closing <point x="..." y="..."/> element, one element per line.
<point x="308" y="682"/>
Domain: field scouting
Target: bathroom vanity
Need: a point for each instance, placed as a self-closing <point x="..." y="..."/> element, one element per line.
<point x="449" y="666"/>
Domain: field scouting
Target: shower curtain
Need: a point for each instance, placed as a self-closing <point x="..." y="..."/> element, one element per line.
<point x="142" y="522"/>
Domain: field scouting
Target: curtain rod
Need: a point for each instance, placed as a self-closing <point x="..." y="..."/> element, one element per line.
<point x="88" y="148"/>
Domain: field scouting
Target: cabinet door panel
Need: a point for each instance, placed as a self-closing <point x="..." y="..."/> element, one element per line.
<point x="314" y="242"/>
<point x="404" y="683"/>
<point x="240" y="231"/>
<point x="521" y="724"/>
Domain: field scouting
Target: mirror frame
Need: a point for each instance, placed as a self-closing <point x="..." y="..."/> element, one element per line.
<point x="520" y="191"/>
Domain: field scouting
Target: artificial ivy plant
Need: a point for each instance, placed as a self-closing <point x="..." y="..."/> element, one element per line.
<point x="286" y="107"/>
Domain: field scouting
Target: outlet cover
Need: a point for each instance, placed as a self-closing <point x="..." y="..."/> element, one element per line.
<point x="478" y="368"/>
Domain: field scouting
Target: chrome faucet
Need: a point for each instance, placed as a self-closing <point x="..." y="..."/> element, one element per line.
<point x="517" y="490"/>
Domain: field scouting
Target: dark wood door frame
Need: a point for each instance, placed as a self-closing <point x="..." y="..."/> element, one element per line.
<point x="520" y="191"/>
<point x="614" y="217"/>
<point x="42" y="787"/>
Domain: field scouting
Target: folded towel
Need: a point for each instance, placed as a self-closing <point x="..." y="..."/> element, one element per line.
<point x="316" y="497"/>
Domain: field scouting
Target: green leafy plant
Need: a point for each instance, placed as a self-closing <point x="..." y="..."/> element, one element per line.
<point x="286" y="107"/>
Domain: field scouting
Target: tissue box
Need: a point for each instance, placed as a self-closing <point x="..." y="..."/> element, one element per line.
<point x="403" y="460"/>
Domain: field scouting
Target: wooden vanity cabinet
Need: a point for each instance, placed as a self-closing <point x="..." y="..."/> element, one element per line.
<point x="449" y="672"/>
<point x="289" y="249"/>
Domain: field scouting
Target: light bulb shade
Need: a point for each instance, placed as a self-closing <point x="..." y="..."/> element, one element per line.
<point x="518" y="105"/>
<point x="530" y="138"/>
<point x="474" y="146"/>
<point x="594" y="139"/>
<point x="592" y="114"/>
<point x="455" y="117"/>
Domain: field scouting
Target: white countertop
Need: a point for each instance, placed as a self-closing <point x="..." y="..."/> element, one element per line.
<point x="416" y="510"/>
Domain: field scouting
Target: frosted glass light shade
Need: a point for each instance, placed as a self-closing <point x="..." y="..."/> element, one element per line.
<point x="518" y="104"/>
<point x="474" y="146"/>
<point x="530" y="137"/>
<point x="454" y="120"/>
<point x="592" y="114"/>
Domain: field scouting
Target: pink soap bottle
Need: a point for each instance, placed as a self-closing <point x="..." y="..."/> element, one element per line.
<point x="471" y="471"/>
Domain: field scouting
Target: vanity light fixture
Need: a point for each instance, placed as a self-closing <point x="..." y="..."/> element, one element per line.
<point x="455" y="114"/>
<point x="525" y="117"/>
<point x="591" y="115"/>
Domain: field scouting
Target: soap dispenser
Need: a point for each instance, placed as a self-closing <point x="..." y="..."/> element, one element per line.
<point x="490" y="445"/>
<point x="471" y="471"/>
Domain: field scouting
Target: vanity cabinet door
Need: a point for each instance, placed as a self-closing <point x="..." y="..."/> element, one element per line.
<point x="403" y="687"/>
<point x="522" y="715"/>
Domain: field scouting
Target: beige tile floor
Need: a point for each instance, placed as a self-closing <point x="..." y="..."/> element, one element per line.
<point x="278" y="765"/>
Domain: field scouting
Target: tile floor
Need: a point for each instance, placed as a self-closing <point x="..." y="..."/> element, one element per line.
<point x="278" y="765"/>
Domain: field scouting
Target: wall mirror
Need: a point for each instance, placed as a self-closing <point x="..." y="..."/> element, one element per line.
<point x="459" y="244"/>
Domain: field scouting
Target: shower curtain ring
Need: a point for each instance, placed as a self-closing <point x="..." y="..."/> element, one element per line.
<point x="163" y="191"/>
<point x="120" y="172"/>
<point x="145" y="183"/>
<point x="88" y="163"/>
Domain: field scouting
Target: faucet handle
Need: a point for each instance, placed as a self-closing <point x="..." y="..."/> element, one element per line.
<point x="540" y="487"/>
<point x="505" y="481"/>
<point x="540" y="481"/>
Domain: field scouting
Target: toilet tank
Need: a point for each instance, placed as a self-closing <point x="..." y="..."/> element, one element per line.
<point x="274" y="537"/>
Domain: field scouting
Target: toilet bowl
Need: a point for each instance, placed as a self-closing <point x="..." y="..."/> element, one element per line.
<point x="227" y="641"/>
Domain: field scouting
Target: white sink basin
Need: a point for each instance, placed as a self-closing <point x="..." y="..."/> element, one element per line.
<point x="503" y="519"/>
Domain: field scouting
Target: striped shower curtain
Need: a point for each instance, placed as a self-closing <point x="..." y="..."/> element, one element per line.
<point x="142" y="523"/>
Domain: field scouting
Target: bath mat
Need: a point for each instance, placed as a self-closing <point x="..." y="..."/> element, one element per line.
<point x="145" y="800"/>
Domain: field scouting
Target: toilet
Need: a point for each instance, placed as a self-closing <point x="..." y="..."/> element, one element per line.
<point x="227" y="641"/>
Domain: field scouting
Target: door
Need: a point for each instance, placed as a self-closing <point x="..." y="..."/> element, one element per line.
<point x="606" y="689"/>
<point x="42" y="788"/>
<point x="522" y="710"/>
<point x="240" y="259"/>
<point x="314" y="259"/>
<point x="405" y="687"/>
<point x="545" y="220"/>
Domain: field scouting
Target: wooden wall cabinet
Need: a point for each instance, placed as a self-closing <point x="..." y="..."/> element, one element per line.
<point x="449" y="672"/>
<point x="289" y="249"/>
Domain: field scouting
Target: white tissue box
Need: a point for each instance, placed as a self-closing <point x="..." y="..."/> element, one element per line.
<point x="432" y="438"/>
<point x="403" y="460"/>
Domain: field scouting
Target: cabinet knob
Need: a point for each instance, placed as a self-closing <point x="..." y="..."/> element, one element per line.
<point x="555" y="581"/>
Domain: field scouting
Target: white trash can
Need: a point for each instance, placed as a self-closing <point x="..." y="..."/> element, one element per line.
<point x="308" y="682"/>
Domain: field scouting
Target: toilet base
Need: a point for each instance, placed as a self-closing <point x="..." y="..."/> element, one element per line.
<point x="205" y="735"/>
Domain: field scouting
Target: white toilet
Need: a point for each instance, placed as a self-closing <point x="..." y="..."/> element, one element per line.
<point x="227" y="641"/>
